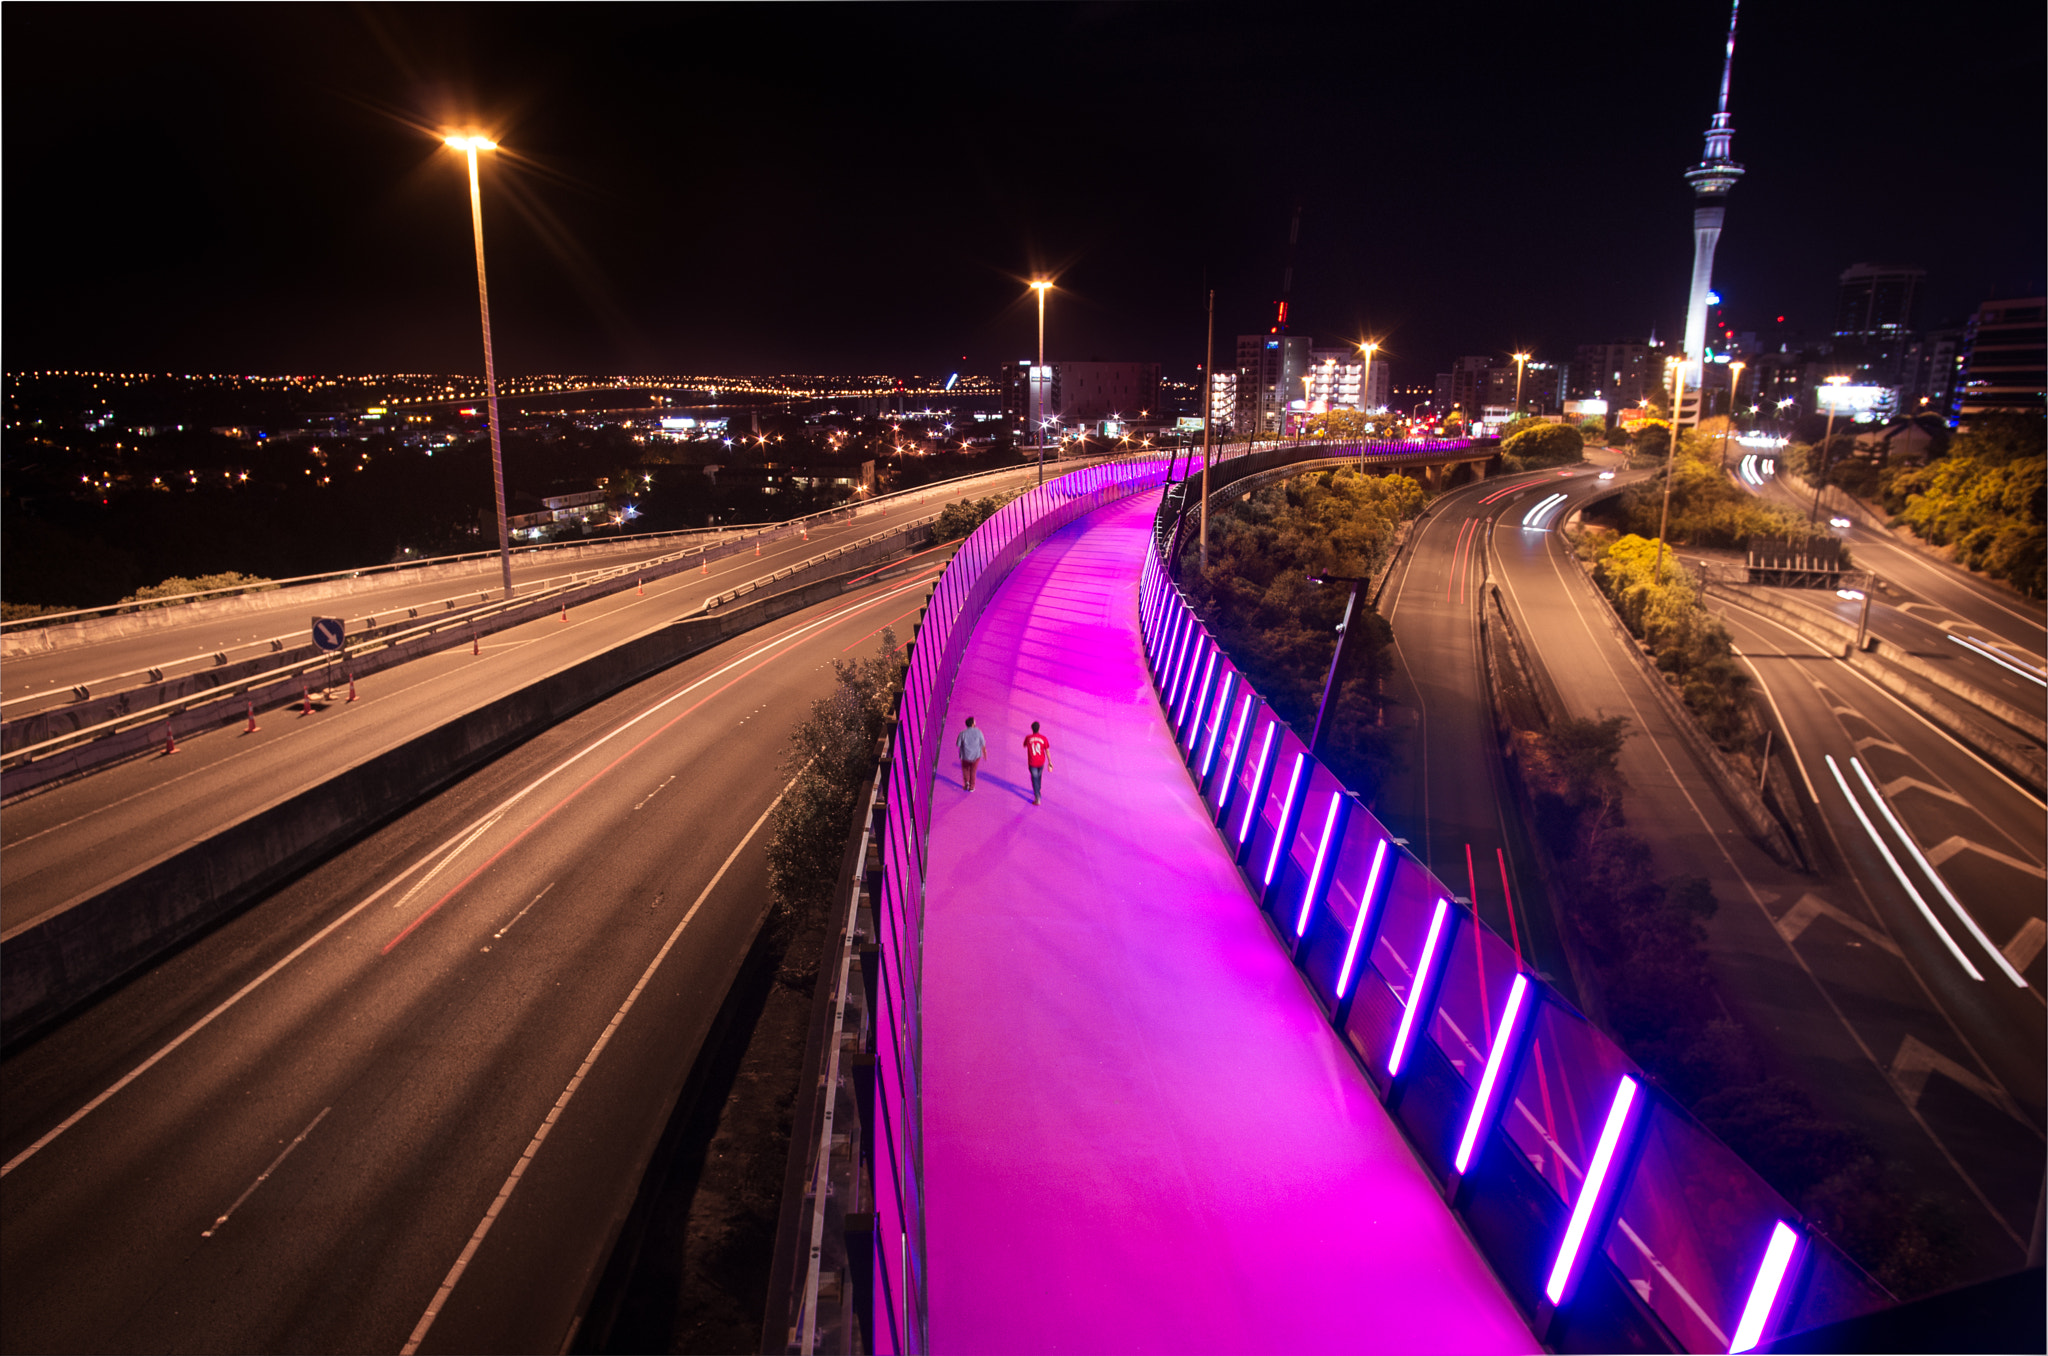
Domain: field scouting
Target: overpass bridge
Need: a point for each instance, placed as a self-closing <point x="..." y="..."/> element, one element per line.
<point x="1195" y="1055"/>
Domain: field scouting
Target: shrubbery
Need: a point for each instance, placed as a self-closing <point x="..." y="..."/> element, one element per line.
<point x="1667" y="614"/>
<point x="1988" y="496"/>
<point x="1542" y="445"/>
<point x="831" y="758"/>
<point x="1707" y="509"/>
<point x="176" y="586"/>
<point x="1279" y="629"/>
<point x="1645" y="942"/>
<point x="956" y="520"/>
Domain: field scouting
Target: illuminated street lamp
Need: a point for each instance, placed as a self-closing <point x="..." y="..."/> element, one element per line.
<point x="1040" y="286"/>
<point x="1820" y="481"/>
<point x="1368" y="348"/>
<point x="1734" y="389"/>
<point x="1520" y="358"/>
<point x="1677" y="365"/>
<point x="469" y="146"/>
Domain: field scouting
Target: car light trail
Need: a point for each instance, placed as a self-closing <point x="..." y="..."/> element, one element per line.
<point x="1995" y="657"/>
<point x="1893" y="863"/>
<point x="1534" y="518"/>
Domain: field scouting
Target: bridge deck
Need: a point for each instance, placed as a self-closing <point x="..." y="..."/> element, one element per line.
<point x="1140" y="1135"/>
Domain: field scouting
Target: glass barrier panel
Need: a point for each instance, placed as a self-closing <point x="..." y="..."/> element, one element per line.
<point x="1351" y="870"/>
<point x="1235" y="750"/>
<point x="1207" y="747"/>
<point x="1383" y="985"/>
<point x="1261" y="755"/>
<point x="1477" y="977"/>
<point x="1290" y="769"/>
<point x="1834" y="1289"/>
<point x="1197" y="692"/>
<point x="1291" y="883"/>
<point x="1561" y="1099"/>
<point x="1692" y="1229"/>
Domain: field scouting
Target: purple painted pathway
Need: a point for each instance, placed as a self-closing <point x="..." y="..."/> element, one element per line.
<point x="1140" y="1135"/>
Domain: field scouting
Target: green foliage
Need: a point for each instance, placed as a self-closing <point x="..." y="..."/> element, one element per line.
<point x="831" y="757"/>
<point x="1545" y="445"/>
<point x="1707" y="508"/>
<point x="1279" y="629"/>
<point x="1667" y="613"/>
<point x="176" y="586"/>
<point x="955" y="521"/>
<point x="24" y="611"/>
<point x="1988" y="496"/>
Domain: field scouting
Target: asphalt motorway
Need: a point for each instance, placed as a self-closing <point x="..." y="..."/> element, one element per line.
<point x="403" y="1102"/>
<point x="71" y="840"/>
<point x="1851" y="986"/>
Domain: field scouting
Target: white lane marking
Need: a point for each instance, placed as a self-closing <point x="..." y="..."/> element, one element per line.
<point x="1765" y="688"/>
<point x="1940" y="885"/>
<point x="446" y="859"/>
<point x="655" y="792"/>
<point x="1917" y="1059"/>
<point x="497" y="1207"/>
<point x="320" y="936"/>
<point x="1898" y="784"/>
<point x="1981" y="648"/>
<point x="500" y="933"/>
<point x="1899" y="873"/>
<point x="1872" y="741"/>
<point x="265" y="1174"/>
<point x="1955" y="843"/>
<point x="1794" y="923"/>
<point x="2027" y="943"/>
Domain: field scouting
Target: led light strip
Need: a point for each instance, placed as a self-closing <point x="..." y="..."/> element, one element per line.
<point x="1315" y="875"/>
<point x="1194" y="708"/>
<point x="1218" y="718"/>
<point x="1939" y="884"/>
<point x="1251" y="806"/>
<point x="1280" y="834"/>
<point x="1502" y="1042"/>
<point x="1897" y="871"/>
<point x="1236" y="754"/>
<point x="1981" y="648"/>
<point x="1770" y="1278"/>
<point x="1589" y="1191"/>
<point x="1415" y="989"/>
<point x="1366" y="906"/>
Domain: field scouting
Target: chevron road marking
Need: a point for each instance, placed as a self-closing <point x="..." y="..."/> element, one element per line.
<point x="1917" y="1061"/>
<point x="1812" y="906"/>
<point x="1955" y="845"/>
<point x="2026" y="943"/>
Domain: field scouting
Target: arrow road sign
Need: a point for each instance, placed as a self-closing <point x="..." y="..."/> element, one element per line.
<point x="327" y="632"/>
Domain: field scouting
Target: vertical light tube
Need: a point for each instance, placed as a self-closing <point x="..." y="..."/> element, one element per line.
<point x="1286" y="812"/>
<point x="1251" y="806"/>
<point x="1218" y="718"/>
<point x="1201" y="699"/>
<point x="1503" y="1041"/>
<point x="1590" y="1189"/>
<point x="1191" y="644"/>
<point x="1235" y="755"/>
<point x="1366" y="907"/>
<point x="1184" y="685"/>
<point x="1315" y="874"/>
<point x="1763" y="1294"/>
<point x="1417" y="987"/>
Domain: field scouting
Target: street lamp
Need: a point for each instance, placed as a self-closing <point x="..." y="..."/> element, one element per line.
<point x="1734" y="389"/>
<point x="1336" y="660"/>
<point x="469" y="146"/>
<point x="1820" y="481"/>
<point x="1677" y="365"/>
<point x="1040" y="286"/>
<point x="1368" y="348"/>
<point x="1308" y="381"/>
<point x="1520" y="359"/>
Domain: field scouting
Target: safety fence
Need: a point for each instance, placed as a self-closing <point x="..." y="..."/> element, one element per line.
<point x="1612" y="1218"/>
<point x="859" y="1279"/>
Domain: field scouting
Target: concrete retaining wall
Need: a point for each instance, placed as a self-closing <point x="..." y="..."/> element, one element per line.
<point x="65" y="959"/>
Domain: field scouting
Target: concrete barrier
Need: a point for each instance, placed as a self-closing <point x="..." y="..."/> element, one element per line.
<point x="64" y="959"/>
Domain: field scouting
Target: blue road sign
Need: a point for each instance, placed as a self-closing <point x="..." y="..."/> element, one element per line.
<point x="327" y="632"/>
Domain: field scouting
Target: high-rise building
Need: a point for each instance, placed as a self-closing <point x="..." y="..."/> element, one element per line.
<point x="1711" y="181"/>
<point x="1096" y="390"/>
<point x="2004" y="361"/>
<point x="1875" y="302"/>
<point x="1269" y="372"/>
<point x="1468" y="384"/>
<point x="1223" y="400"/>
<point x="1619" y="372"/>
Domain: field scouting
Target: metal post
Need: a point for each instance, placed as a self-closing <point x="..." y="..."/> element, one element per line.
<point x="1038" y="376"/>
<point x="1208" y="407"/>
<point x="1670" y="464"/>
<point x="1315" y="738"/>
<point x="483" y="296"/>
<point x="1820" y="481"/>
<point x="1863" y="622"/>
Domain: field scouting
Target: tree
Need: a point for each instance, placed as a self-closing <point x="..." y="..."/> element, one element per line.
<point x="1545" y="445"/>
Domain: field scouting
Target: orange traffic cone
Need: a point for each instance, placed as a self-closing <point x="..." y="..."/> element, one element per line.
<point x="565" y="612"/>
<point x="757" y="549"/>
<point x="475" y="645"/>
<point x="252" y="719"/>
<point x="641" y="590"/>
<point x="707" y="564"/>
<point x="351" y="689"/>
<point x="305" y="700"/>
<point x="170" y="740"/>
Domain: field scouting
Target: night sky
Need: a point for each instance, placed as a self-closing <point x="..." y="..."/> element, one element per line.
<point x="862" y="188"/>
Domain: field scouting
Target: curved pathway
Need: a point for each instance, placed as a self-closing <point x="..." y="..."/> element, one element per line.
<point x="1140" y="1134"/>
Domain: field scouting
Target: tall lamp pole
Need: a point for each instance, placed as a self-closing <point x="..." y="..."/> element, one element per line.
<point x="1208" y="413"/>
<point x="1040" y="286"/>
<point x="1520" y="358"/>
<point x="1820" y="481"/>
<point x="1368" y="348"/>
<point x="1677" y="366"/>
<point x="469" y="146"/>
<point x="1315" y="738"/>
<point x="1734" y="389"/>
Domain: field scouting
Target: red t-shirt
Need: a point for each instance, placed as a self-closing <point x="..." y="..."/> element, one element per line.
<point x="1035" y="747"/>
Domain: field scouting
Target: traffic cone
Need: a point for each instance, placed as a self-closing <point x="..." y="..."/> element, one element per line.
<point x="565" y="612"/>
<point x="351" y="689"/>
<point x="305" y="700"/>
<point x="170" y="740"/>
<point x="641" y="590"/>
<point x="707" y="564"/>
<point x="475" y="645"/>
<point x="757" y="548"/>
<point x="252" y="719"/>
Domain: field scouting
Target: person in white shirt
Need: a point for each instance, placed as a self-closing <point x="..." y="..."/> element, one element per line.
<point x="973" y="746"/>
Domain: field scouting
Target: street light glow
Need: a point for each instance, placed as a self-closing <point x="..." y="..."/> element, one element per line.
<point x="471" y="143"/>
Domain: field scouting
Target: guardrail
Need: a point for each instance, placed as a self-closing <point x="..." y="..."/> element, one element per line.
<point x="1612" y="1218"/>
<point x="855" y="1278"/>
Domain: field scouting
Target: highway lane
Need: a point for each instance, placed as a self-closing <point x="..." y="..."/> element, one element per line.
<point x="1846" y="1004"/>
<point x="71" y="840"/>
<point x="468" y="1026"/>
<point x="35" y="681"/>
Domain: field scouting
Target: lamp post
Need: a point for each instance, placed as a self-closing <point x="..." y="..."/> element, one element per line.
<point x="1368" y="348"/>
<point x="1677" y="366"/>
<point x="1308" y="382"/>
<point x="1357" y="583"/>
<point x="1820" y="481"/>
<point x="1040" y="286"/>
<point x="469" y="146"/>
<point x="1208" y="413"/>
<point x="1520" y="359"/>
<point x="1734" y="389"/>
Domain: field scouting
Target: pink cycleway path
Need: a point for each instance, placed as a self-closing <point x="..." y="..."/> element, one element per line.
<point x="1140" y="1135"/>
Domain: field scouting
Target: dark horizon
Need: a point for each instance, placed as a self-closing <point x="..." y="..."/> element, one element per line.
<point x="865" y="188"/>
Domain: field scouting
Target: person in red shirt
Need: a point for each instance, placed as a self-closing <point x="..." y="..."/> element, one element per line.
<point x="1038" y="755"/>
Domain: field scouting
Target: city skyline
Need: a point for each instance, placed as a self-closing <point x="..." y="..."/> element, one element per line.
<point x="868" y="188"/>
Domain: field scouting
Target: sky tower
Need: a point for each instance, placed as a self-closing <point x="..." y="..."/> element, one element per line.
<point x="1711" y="180"/>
